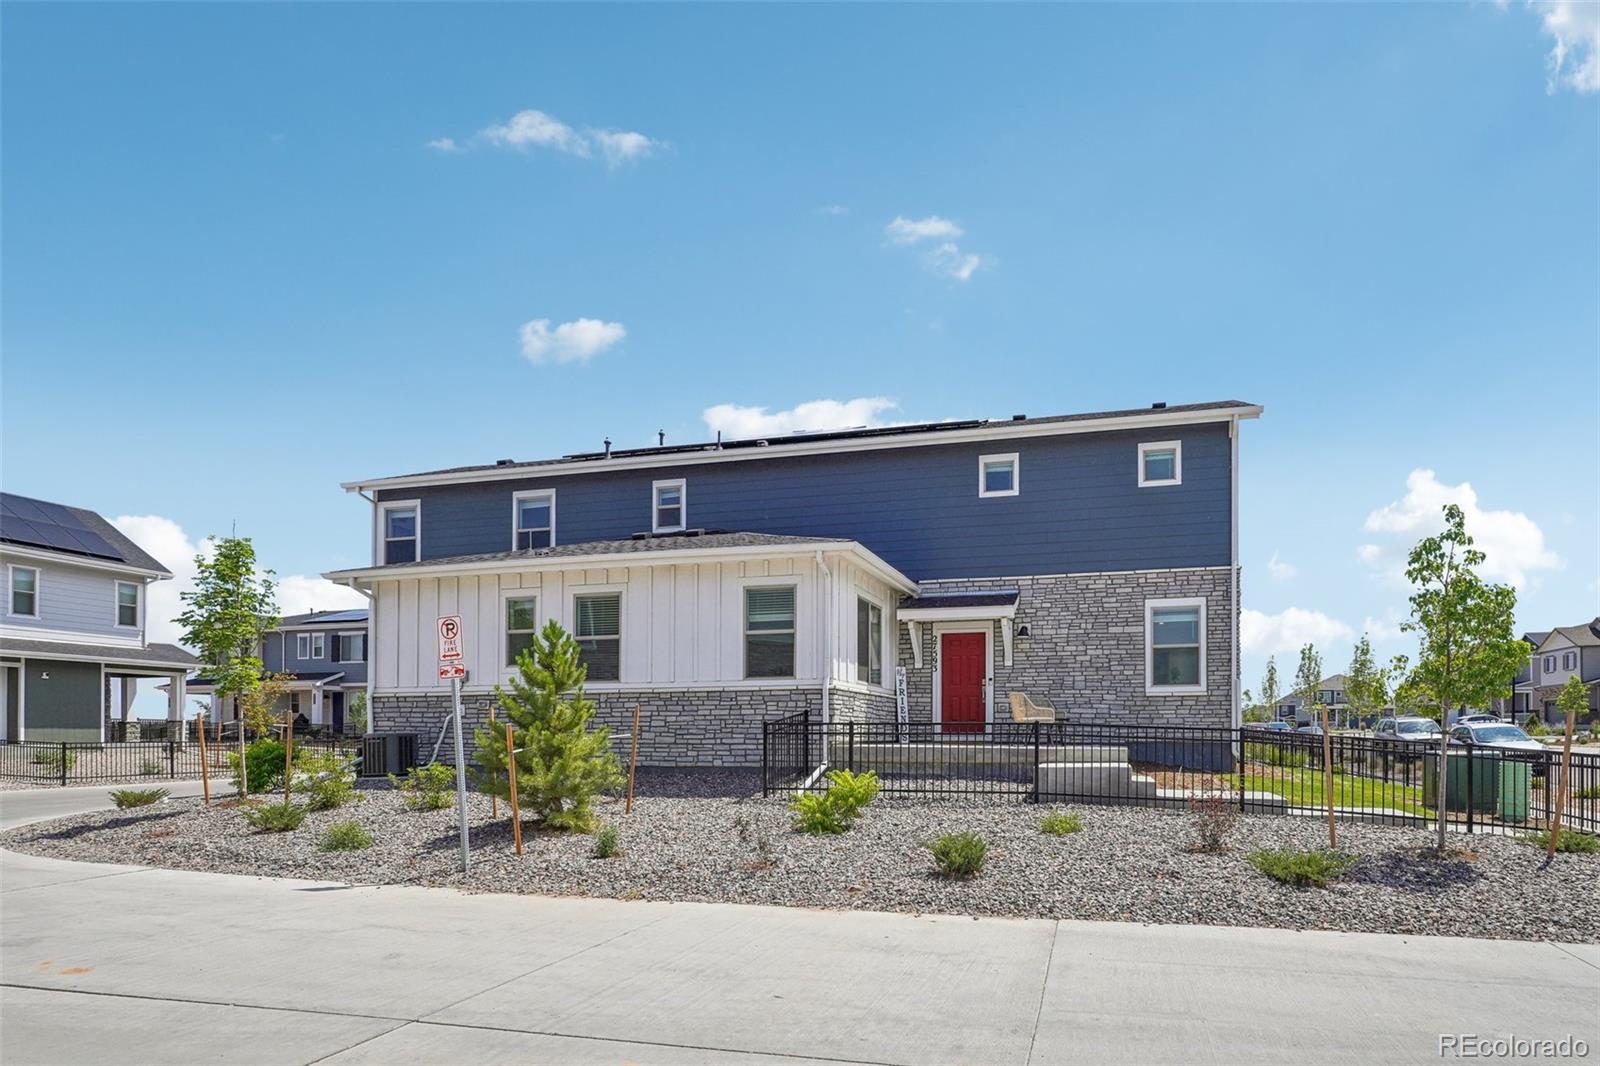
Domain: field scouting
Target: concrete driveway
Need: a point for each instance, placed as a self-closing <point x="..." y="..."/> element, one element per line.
<point x="110" y="963"/>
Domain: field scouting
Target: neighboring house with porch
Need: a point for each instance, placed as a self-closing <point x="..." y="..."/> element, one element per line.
<point x="1088" y="560"/>
<point x="1555" y="656"/>
<point x="73" y="644"/>
<point x="324" y="656"/>
<point x="1330" y="693"/>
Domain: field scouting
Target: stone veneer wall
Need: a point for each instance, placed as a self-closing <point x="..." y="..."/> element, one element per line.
<point x="855" y="703"/>
<point x="1086" y="648"/>
<point x="678" y="727"/>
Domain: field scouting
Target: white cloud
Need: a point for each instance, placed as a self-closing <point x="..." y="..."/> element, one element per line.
<point x="1279" y="570"/>
<point x="577" y="341"/>
<point x="909" y="231"/>
<point x="171" y="546"/>
<point x="944" y="257"/>
<point x="834" y="210"/>
<point x="538" y="129"/>
<point x="1512" y="543"/>
<point x="1288" y="630"/>
<point x="1574" y="60"/>
<point x="738" y="421"/>
<point x="1385" y="630"/>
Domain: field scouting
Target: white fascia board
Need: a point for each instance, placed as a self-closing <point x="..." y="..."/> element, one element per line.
<point x="611" y="560"/>
<point x="957" y="613"/>
<point x="122" y="665"/>
<point x="996" y="432"/>
<point x="1555" y="641"/>
<point x="15" y="551"/>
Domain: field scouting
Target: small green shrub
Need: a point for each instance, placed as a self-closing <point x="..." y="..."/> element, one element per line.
<point x="327" y="779"/>
<point x="1275" y="755"/>
<point x="605" y="842"/>
<point x="137" y="797"/>
<point x="264" y="764"/>
<point x="1568" y="842"/>
<point x="1533" y="725"/>
<point x="427" y="788"/>
<point x="276" y="817"/>
<point x="50" y="759"/>
<point x="1302" y="868"/>
<point x="833" y="811"/>
<point x="1061" y="824"/>
<point x="959" y="854"/>
<point x="345" y="836"/>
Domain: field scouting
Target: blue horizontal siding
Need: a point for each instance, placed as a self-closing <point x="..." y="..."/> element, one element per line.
<point x="1080" y="508"/>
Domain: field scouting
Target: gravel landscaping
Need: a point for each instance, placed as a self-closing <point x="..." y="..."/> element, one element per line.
<point x="710" y="836"/>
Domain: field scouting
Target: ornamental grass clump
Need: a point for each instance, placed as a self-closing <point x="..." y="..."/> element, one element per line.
<point x="427" y="788"/>
<point x="1570" y="842"/>
<point x="835" y="810"/>
<point x="275" y="817"/>
<point x="564" y="761"/>
<point x="1060" y="824"/>
<point x="125" y="798"/>
<point x="327" y="779"/>
<point x="345" y="836"/>
<point x="1302" y="869"/>
<point x="959" y="855"/>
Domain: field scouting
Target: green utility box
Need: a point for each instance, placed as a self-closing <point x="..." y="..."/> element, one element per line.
<point x="1516" y="789"/>
<point x="1485" y="781"/>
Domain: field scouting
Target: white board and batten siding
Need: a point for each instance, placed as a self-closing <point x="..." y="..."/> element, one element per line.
<point x="682" y="624"/>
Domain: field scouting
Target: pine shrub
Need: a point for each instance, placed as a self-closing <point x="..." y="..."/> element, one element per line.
<point x="605" y="842"/>
<point x="137" y="797"/>
<point x="835" y="810"/>
<point x="275" y="817"/>
<point x="1302" y="869"/>
<point x="326" y="778"/>
<point x="959" y="855"/>
<point x="345" y="836"/>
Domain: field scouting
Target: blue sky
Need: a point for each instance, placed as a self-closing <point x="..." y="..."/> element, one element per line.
<point x="250" y="252"/>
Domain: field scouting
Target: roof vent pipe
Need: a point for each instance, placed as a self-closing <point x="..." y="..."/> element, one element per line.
<point x="1159" y="406"/>
<point x="608" y="447"/>
<point x="1019" y="418"/>
<point x="661" y="438"/>
<point x="719" y="440"/>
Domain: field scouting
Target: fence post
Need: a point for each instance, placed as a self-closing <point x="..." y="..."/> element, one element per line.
<point x="172" y="758"/>
<point x="766" y="728"/>
<point x="852" y="759"/>
<point x="1035" y="761"/>
<point x="64" y="764"/>
<point x="1471" y="795"/>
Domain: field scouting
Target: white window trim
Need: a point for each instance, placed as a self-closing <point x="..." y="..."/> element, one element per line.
<point x="38" y="580"/>
<point x="381" y="531"/>
<point x="1177" y="463"/>
<point x="682" y="485"/>
<point x="621" y="592"/>
<point x="116" y="604"/>
<point x="744" y="626"/>
<point x="337" y="637"/>
<point x="302" y="646"/>
<point x="1150" y="607"/>
<point x="1015" y="460"/>
<point x="516" y="514"/>
<point x="319" y="645"/>
<point x="503" y="645"/>
<point x="885" y="662"/>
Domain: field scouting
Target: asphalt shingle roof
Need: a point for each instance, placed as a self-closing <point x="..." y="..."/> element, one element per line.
<point x="126" y="549"/>
<point x="709" y="541"/>
<point x="155" y="654"/>
<point x="350" y="617"/>
<point x="956" y="600"/>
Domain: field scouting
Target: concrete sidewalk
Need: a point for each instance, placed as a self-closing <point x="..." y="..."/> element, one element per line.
<point x="21" y="806"/>
<point x="111" y="963"/>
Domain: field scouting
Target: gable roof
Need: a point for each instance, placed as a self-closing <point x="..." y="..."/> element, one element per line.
<point x="775" y="445"/>
<point x="71" y="532"/>
<point x="1582" y="636"/>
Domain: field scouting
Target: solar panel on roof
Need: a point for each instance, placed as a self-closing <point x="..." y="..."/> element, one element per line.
<point x="49" y="525"/>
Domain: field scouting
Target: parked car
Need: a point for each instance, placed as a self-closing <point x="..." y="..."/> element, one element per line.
<point x="1274" y="727"/>
<point x="1495" y="734"/>
<point x="1479" y="717"/>
<point x="1315" y="730"/>
<point x="1407" y="729"/>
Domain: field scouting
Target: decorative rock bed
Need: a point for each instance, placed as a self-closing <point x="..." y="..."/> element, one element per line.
<point x="708" y="835"/>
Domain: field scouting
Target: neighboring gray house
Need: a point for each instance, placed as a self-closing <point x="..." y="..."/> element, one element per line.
<point x="324" y="654"/>
<point x="1089" y="559"/>
<point x="1330" y="693"/>
<point x="72" y="631"/>
<point x="1556" y="655"/>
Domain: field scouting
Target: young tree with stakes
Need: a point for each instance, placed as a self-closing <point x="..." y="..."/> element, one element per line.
<point x="1573" y="700"/>
<point x="1308" y="686"/>
<point x="1270" y="693"/>
<point x="1364" y="688"/>
<point x="223" y="619"/>
<point x="1466" y="628"/>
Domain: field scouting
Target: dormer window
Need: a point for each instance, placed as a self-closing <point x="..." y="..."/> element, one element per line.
<point x="669" y="507"/>
<point x="534" y="514"/>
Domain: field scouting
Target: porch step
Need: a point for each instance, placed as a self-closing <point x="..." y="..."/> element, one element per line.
<point x="947" y="756"/>
<point x="1106" y="781"/>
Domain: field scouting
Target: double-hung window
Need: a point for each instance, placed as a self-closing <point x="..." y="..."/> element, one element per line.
<point x="1175" y="646"/>
<point x="309" y="646"/>
<point x="401" y="527"/>
<point x="350" y="648"/>
<point x="669" y="508"/>
<point x="1160" y="463"/>
<point x="521" y="624"/>
<point x="1549" y="664"/>
<point x="1569" y="660"/>
<point x="769" y="631"/>
<point x="599" y="634"/>
<point x="25" y="591"/>
<point x="128" y="604"/>
<point x="869" y="642"/>
<point x="535" y="514"/>
<point x="999" y="475"/>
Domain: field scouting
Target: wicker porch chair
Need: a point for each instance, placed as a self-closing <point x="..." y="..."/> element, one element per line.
<point x="1025" y="710"/>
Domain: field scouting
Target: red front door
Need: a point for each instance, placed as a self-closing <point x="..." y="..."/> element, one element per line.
<point x="961" y="666"/>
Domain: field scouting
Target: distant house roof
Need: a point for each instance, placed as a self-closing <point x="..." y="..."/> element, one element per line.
<point x="56" y="527"/>
<point x="317" y="618"/>
<point x="1536" y="637"/>
<point x="1583" y="636"/>
<point x="830" y="440"/>
<point x="1334" y="683"/>
<point x="149" y="655"/>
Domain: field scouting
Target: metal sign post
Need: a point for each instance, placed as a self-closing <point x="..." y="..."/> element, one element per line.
<point x="452" y="650"/>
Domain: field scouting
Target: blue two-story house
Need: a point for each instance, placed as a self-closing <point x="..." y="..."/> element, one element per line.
<point x="1090" y="560"/>
<point x="323" y="656"/>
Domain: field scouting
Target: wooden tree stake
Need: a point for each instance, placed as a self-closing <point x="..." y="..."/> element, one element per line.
<point x="205" y="768"/>
<point x="1327" y="777"/>
<point x="1561" y="793"/>
<point x="633" y="760"/>
<point x="288" y="750"/>
<point x="511" y="772"/>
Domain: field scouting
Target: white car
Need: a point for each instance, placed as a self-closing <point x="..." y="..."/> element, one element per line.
<point x="1495" y="735"/>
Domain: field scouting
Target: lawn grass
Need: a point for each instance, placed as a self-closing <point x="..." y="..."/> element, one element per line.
<point x="1305" y="788"/>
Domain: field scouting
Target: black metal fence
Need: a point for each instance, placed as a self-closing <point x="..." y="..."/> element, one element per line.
<point x="45" y="763"/>
<point x="1262" y="771"/>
